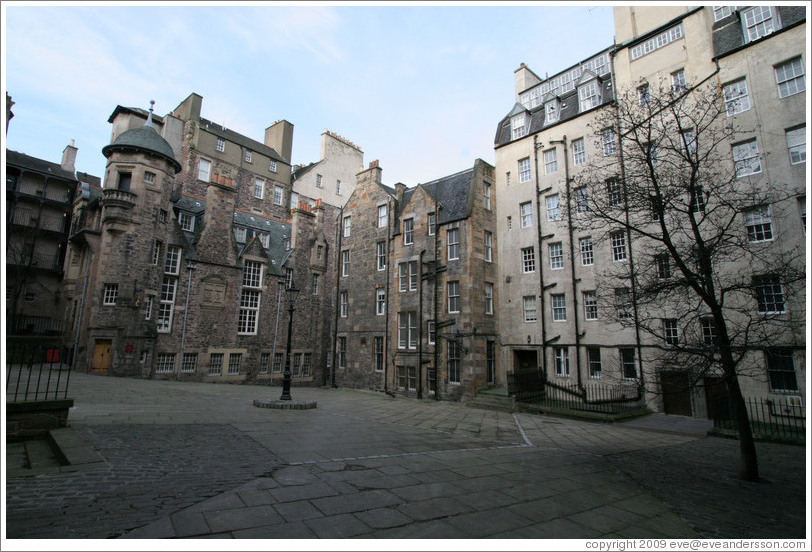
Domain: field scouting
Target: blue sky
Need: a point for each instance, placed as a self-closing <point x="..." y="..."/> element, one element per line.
<point x="421" y="88"/>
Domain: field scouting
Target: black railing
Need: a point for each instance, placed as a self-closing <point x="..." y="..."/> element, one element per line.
<point x="34" y="325"/>
<point x="36" y="373"/>
<point x="782" y="419"/>
<point x="532" y="388"/>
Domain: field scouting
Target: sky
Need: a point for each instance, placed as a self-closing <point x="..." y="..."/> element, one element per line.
<point x="420" y="88"/>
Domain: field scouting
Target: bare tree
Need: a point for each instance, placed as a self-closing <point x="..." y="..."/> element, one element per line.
<point x="707" y="277"/>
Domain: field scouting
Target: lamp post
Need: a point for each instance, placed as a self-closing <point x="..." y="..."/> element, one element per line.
<point x="291" y="292"/>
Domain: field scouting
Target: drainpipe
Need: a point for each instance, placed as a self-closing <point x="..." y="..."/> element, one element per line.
<point x="542" y="310"/>
<point x="339" y="234"/>
<point x="573" y="279"/>
<point x="388" y="299"/>
<point x="81" y="309"/>
<point x="276" y="330"/>
<point x="420" y="329"/>
<point x="191" y="266"/>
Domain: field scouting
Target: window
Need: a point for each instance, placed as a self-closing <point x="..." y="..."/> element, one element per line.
<point x="265" y="240"/>
<point x="551" y="112"/>
<point x="413" y="276"/>
<point x="790" y="78"/>
<point x="252" y="274"/>
<point x="737" y="99"/>
<point x="758" y="223"/>
<point x="582" y="199"/>
<point x="172" y="265"/>
<point x="708" y="327"/>
<point x="628" y="363"/>
<point x="342" y="352"/>
<point x="490" y="360"/>
<point x="609" y="141"/>
<point x="318" y="181"/>
<point x="593" y="358"/>
<point x="453" y="235"/>
<point x="746" y="158"/>
<point x="408" y="231"/>
<point x="556" y="256"/>
<point x="345" y="303"/>
<point x="526" y="214"/>
<point x="347" y="226"/>
<point x="272" y="166"/>
<point x="221" y="145"/>
<point x="240" y="234"/>
<point x="781" y="369"/>
<point x="643" y="95"/>
<point x="524" y="170"/>
<point x="319" y="252"/>
<point x="587" y="255"/>
<point x="453" y="297"/>
<point x="277" y="195"/>
<point x="338" y="187"/>
<point x="165" y="363"/>
<point x="157" y="251"/>
<point x="314" y="283"/>
<point x="148" y="307"/>
<point x="678" y="84"/>
<point x="407" y="378"/>
<point x="507" y="178"/>
<point x="559" y="307"/>
<point x="486" y="195"/>
<point x="528" y="260"/>
<point x="407" y="273"/>
<point x="758" y="22"/>
<point x="345" y="262"/>
<point x="590" y="305"/>
<point x="277" y="362"/>
<point x="553" y="207"/>
<point x="578" y="152"/>
<point x="110" y="294"/>
<point x="663" y="264"/>
<point x="509" y="222"/>
<point x="623" y="304"/>
<point x="488" y="246"/>
<point x="216" y="364"/>
<point x="698" y="200"/>
<point x="519" y="126"/>
<point x="769" y="294"/>
<point x="297" y="365"/>
<point x="288" y="278"/>
<point x="562" y="362"/>
<point x="453" y="362"/>
<point x="149" y="177"/>
<point x="651" y="152"/>
<point x="663" y="39"/>
<point x="189" y="362"/>
<point x="432" y="224"/>
<point x="186" y="221"/>
<point x="248" y="156"/>
<point x="796" y="144"/>
<point x="294" y="200"/>
<point x="124" y="181"/>
<point x="264" y="362"/>
<point x="167" y="304"/>
<point x="380" y="249"/>
<point x="802" y="211"/>
<point x="249" y="312"/>
<point x="618" y="241"/>
<point x="204" y="170"/>
<point x="407" y="330"/>
<point x="689" y="143"/>
<point x="383" y="216"/>
<point x="431" y="329"/>
<point x="614" y="192"/>
<point x="529" y="308"/>
<point x="722" y="12"/>
<point x="380" y="301"/>
<point x="589" y="95"/>
<point x="671" y="331"/>
<point x="488" y="298"/>
<point x="378" y="354"/>
<point x="550" y="161"/>
<point x="259" y="188"/>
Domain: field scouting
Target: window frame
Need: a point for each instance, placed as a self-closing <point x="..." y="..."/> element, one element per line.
<point x="558" y="307"/>
<point x="798" y="79"/>
<point x="556" y="254"/>
<point x="530" y="308"/>
<point x="408" y="231"/>
<point x="528" y="260"/>
<point x="526" y="214"/>
<point x="590" y="301"/>
<point x="796" y="144"/>
<point x="453" y="291"/>
<point x="758" y="224"/>
<point x="738" y="103"/>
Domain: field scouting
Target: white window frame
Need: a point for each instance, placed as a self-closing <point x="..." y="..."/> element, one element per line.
<point x="486" y="195"/>
<point x="432" y="221"/>
<point x="737" y="97"/>
<point x="259" y="188"/>
<point x="380" y="254"/>
<point x="589" y="95"/>
<point x="186" y="221"/>
<point x="671" y="331"/>
<point x="453" y="288"/>
<point x="530" y="308"/>
<point x="609" y="141"/>
<point x="550" y="160"/>
<point x="110" y="295"/>
<point x="590" y="300"/>
<point x="587" y="251"/>
<point x="250" y="300"/>
<point x="220" y="145"/>
<point x="408" y="231"/>
<point x="383" y="216"/>
<point x="272" y="166"/>
<point x="526" y="214"/>
<point x="790" y="77"/>
<point x="172" y="263"/>
<point x="248" y="156"/>
<point x="278" y="195"/>
<point x="746" y="158"/>
<point x="488" y="240"/>
<point x="618" y="244"/>
<point x="345" y="263"/>
<point x="578" y="152"/>
<point x="796" y="145"/>
<point x="553" y="203"/>
<point x="519" y="126"/>
<point x="380" y="301"/>
<point x="562" y="362"/>
<point x="556" y="251"/>
<point x="581" y="199"/>
<point x="524" y="170"/>
<point x="759" y="22"/>
<point x="204" y="170"/>
<point x="758" y="223"/>
<point x="347" y="225"/>
<point x="344" y="303"/>
<point x="558" y="307"/>
<point x="528" y="260"/>
<point x="453" y="237"/>
<point x="678" y="82"/>
<point x="488" y="298"/>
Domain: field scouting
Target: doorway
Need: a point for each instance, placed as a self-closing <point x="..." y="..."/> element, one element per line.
<point x="101" y="356"/>
<point x="676" y="391"/>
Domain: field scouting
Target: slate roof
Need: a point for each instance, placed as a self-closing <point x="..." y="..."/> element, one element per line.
<point x="89" y="178"/>
<point x="237" y="138"/>
<point x="17" y="159"/>
<point x="453" y="195"/>
<point x="143" y="138"/>
<point x="301" y="171"/>
<point x="135" y="110"/>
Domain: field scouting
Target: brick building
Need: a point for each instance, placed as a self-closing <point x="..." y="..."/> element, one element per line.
<point x="416" y="285"/>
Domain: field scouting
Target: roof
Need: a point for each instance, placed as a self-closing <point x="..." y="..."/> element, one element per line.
<point x="24" y="161"/>
<point x="146" y="139"/>
<point x="237" y="138"/>
<point x="452" y="193"/>
<point x="303" y="170"/>
<point x="135" y="111"/>
<point x="89" y="178"/>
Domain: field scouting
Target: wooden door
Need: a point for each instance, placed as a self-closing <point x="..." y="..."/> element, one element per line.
<point x="676" y="393"/>
<point x="101" y="357"/>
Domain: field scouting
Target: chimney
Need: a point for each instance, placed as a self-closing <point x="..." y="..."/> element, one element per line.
<point x="217" y="225"/>
<point x="400" y="188"/>
<point x="279" y="136"/>
<point x="69" y="157"/>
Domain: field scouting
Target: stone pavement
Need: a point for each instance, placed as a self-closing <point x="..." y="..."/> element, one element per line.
<point x="199" y="460"/>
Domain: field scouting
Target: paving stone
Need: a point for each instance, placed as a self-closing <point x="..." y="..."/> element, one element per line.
<point x="366" y="500"/>
<point x="188" y="524"/>
<point x="382" y="518"/>
<point x="487" y="522"/>
<point x="337" y="527"/>
<point x="433" y="508"/>
<point x="242" y="518"/>
<point x="296" y="511"/>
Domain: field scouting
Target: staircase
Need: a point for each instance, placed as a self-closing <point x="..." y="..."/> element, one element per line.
<point x="493" y="398"/>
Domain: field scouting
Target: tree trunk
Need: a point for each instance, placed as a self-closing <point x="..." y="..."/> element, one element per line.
<point x="747" y="446"/>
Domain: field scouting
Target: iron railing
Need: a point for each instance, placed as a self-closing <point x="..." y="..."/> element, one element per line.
<point x="781" y="419"/>
<point x="531" y="388"/>
<point x="36" y="373"/>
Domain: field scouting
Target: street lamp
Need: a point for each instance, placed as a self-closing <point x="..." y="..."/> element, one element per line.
<point x="291" y="292"/>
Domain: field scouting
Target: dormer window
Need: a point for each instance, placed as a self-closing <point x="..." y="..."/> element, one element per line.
<point x="551" y="112"/>
<point x="759" y="22"/>
<point x="221" y="145"/>
<point x="520" y="124"/>
<point x="589" y="95"/>
<point x="186" y="221"/>
<point x="248" y="155"/>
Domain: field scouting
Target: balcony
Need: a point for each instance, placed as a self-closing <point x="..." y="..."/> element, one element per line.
<point x="117" y="208"/>
<point x="118" y="198"/>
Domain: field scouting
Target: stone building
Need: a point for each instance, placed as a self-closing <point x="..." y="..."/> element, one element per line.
<point x="39" y="195"/>
<point x="556" y="317"/>
<point x="416" y="310"/>
<point x="178" y="264"/>
<point x="332" y="177"/>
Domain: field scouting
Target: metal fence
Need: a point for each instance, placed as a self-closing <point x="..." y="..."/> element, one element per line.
<point x="601" y="398"/>
<point x="36" y="373"/>
<point x="773" y="419"/>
